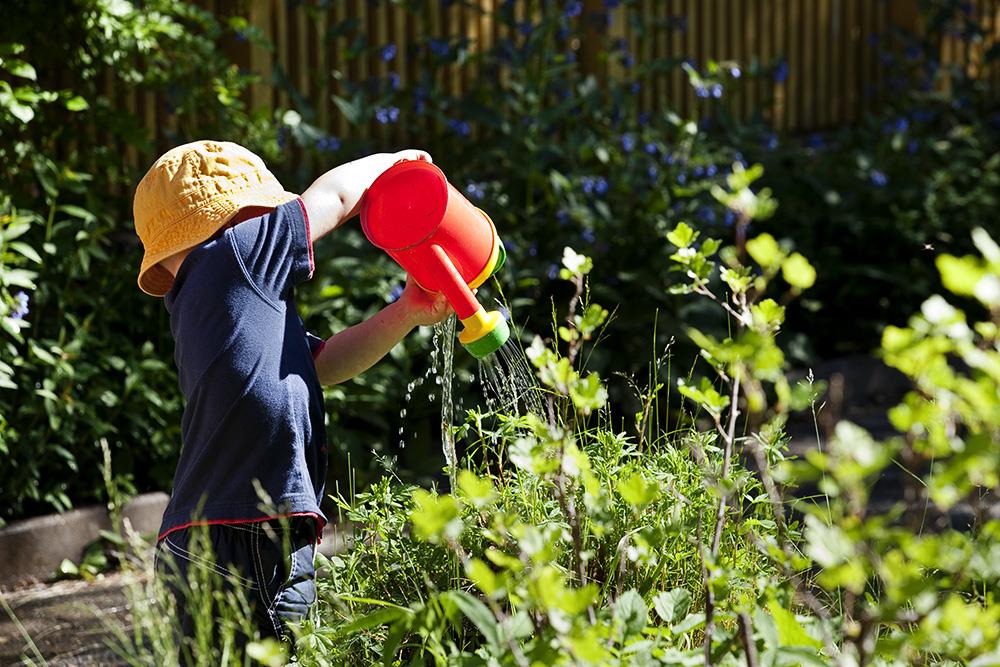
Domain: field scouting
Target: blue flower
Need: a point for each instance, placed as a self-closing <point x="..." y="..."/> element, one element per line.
<point x="438" y="47"/>
<point x="781" y="72"/>
<point x="716" y="90"/>
<point x="706" y="213"/>
<point x="628" y="143"/>
<point x="682" y="178"/>
<point x="395" y="293"/>
<point x="386" y="115"/>
<point x="460" y="127"/>
<point x="619" y="44"/>
<point x="601" y="186"/>
<point x="588" y="235"/>
<point x="573" y="8"/>
<point x="913" y="146"/>
<point x="562" y="33"/>
<point x="553" y="272"/>
<point x="328" y="144"/>
<point x="815" y="141"/>
<point x="650" y="148"/>
<point x="735" y="72"/>
<point x="636" y="87"/>
<point x="612" y="4"/>
<point x="388" y="52"/>
<point x="653" y="172"/>
<point x="772" y="142"/>
<point x="698" y="171"/>
<point x="701" y="91"/>
<point x="669" y="158"/>
<point x="525" y="27"/>
<point x="562" y="217"/>
<point x="475" y="190"/>
<point x="711" y="170"/>
<point x="588" y="185"/>
<point x="282" y="137"/>
<point x="504" y="312"/>
<point x="878" y="178"/>
<point x="393" y="79"/>
<point x="627" y="60"/>
<point x="729" y="219"/>
<point x="22" y="306"/>
<point x="533" y="250"/>
<point x="644" y="118"/>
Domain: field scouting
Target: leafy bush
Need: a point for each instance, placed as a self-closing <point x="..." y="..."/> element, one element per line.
<point x="84" y="356"/>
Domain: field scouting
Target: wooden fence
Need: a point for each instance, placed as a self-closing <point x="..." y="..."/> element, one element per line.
<point x="831" y="47"/>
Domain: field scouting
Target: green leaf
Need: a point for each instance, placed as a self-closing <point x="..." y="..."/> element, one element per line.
<point x="21" y="69"/>
<point x="768" y="315"/>
<point x="476" y="491"/>
<point x="77" y="103"/>
<point x="435" y="518"/>
<point x="682" y="235"/>
<point x="26" y="250"/>
<point x="478" y="613"/>
<point x="588" y="394"/>
<point x="960" y="274"/>
<point x="790" y="631"/>
<point x="636" y="491"/>
<point x="798" y="272"/>
<point x="765" y="251"/>
<point x="631" y="613"/>
<point x="482" y="576"/>
<point x="673" y="605"/>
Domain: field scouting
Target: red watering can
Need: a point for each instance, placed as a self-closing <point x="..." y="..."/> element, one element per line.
<point x="444" y="242"/>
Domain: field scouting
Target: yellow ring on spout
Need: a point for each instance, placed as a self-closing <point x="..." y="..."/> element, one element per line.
<point x="494" y="257"/>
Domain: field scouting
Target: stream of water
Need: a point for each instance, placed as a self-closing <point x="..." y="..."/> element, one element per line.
<point x="506" y="377"/>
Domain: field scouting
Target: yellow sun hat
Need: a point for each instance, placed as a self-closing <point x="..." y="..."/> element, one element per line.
<point x="190" y="193"/>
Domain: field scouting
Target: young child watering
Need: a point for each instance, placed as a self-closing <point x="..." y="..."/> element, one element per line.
<point x="225" y="246"/>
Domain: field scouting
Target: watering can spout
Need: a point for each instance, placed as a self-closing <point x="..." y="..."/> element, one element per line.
<point x="444" y="242"/>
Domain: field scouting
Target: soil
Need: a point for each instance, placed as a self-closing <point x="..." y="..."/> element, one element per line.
<point x="66" y="621"/>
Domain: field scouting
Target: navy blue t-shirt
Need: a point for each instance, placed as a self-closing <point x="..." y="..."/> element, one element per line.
<point x="253" y="403"/>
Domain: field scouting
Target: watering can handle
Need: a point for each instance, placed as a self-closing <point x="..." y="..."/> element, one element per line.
<point x="453" y="285"/>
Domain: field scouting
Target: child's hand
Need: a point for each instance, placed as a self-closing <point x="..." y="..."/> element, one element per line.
<point x="412" y="154"/>
<point x="423" y="308"/>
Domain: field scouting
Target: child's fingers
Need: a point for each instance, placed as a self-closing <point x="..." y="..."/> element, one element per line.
<point x="414" y="154"/>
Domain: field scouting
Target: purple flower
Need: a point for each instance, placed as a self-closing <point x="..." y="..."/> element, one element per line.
<point x="562" y="217"/>
<point x="628" y="143"/>
<point x="701" y="91"/>
<point x="781" y="72"/>
<point x="729" y="219"/>
<point x="22" y="306"/>
<point x="386" y="115"/>
<point x="573" y="8"/>
<point x="653" y="172"/>
<point x="552" y="272"/>
<point x="698" y="171"/>
<point x="388" y="52"/>
<point x="716" y="90"/>
<point x="533" y="250"/>
<point x="706" y="213"/>
<point x="650" y="148"/>
<point x="735" y="72"/>
<point x="772" y="142"/>
<point x="711" y="170"/>
<point x="878" y="178"/>
<point x="395" y="293"/>
<point x="682" y="178"/>
<point x="588" y="235"/>
<point x="601" y="186"/>
<point x="393" y="79"/>
<point x="669" y="158"/>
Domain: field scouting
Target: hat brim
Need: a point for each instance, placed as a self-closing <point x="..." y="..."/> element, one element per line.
<point x="200" y="226"/>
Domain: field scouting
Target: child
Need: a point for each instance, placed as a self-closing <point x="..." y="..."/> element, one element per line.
<point x="225" y="246"/>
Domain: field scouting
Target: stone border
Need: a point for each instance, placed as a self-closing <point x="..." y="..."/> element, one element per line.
<point x="32" y="549"/>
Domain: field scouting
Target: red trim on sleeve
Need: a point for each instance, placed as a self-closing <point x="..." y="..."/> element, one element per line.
<point x="305" y="215"/>
<point x="223" y="522"/>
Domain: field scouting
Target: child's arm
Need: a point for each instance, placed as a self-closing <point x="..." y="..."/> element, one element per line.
<point x="356" y="349"/>
<point x="335" y="196"/>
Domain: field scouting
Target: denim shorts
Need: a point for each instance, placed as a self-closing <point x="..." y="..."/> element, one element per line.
<point x="270" y="561"/>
